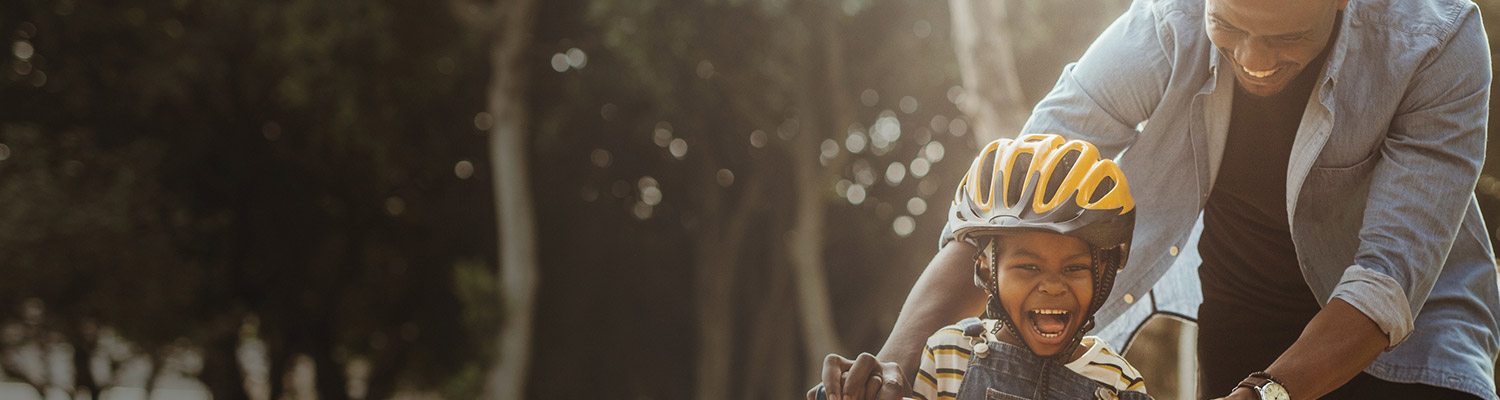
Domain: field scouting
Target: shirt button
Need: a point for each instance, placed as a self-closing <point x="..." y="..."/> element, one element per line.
<point x="1129" y="299"/>
<point x="1172" y="251"/>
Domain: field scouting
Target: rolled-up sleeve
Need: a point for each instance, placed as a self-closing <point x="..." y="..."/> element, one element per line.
<point x="1430" y="162"/>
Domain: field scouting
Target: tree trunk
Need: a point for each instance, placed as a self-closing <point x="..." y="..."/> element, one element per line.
<point x="221" y="369"/>
<point x="717" y="251"/>
<point x="806" y="248"/>
<point x="84" y="340"/>
<point x="771" y="368"/>
<point x="987" y="62"/>
<point x="812" y="181"/>
<point x="513" y="208"/>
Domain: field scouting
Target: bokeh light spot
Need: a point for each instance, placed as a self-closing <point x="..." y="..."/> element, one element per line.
<point x="651" y="195"/>
<point x="855" y="142"/>
<point x="608" y="111"/>
<point x="642" y="211"/>
<point x="829" y="148"/>
<point x="559" y="62"/>
<point x="576" y="58"/>
<point x="895" y="173"/>
<point x="922" y="28"/>
<point x="661" y="137"/>
<point x="842" y="187"/>
<point x="928" y="186"/>
<point x="4" y="152"/>
<point x="908" y="104"/>
<point x="483" y="121"/>
<point x="939" y="123"/>
<point x="904" y="225"/>
<point x="678" y="148"/>
<point x="856" y="194"/>
<point x="725" y="177"/>
<point x="920" y="167"/>
<point x="600" y="158"/>
<point x="869" y="98"/>
<point x="758" y="139"/>
<point x="958" y="127"/>
<point x="22" y="49"/>
<point x="705" y="69"/>
<point x="863" y="174"/>
<point x="465" y="169"/>
<point x="916" y="206"/>
<point x="934" y="151"/>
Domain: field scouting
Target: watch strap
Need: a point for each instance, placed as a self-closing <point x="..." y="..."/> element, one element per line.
<point x="1256" y="381"/>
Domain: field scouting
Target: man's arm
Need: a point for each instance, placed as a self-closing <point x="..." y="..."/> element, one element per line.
<point x="943" y="295"/>
<point x="1339" y="343"/>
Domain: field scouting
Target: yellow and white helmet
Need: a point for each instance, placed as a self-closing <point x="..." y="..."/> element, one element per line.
<point x="1042" y="182"/>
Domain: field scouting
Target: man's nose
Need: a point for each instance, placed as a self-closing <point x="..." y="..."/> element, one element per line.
<point x="1256" y="56"/>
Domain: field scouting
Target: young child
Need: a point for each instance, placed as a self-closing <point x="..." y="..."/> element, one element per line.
<point x="1053" y="224"/>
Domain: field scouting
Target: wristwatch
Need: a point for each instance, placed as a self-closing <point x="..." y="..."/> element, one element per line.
<point x="1265" y="387"/>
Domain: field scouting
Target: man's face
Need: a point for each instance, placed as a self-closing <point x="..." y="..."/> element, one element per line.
<point x="1045" y="284"/>
<point x="1269" y="42"/>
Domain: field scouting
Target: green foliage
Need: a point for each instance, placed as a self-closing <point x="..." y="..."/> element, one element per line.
<point x="174" y="166"/>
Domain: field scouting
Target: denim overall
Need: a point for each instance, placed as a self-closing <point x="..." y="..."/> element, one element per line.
<point x="1010" y="372"/>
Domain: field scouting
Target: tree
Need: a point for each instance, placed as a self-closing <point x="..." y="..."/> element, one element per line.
<point x="509" y="26"/>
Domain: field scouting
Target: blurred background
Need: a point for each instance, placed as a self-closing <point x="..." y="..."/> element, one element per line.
<point x="646" y="199"/>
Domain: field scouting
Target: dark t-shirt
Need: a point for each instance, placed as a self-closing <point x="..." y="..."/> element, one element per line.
<point x="1255" y="300"/>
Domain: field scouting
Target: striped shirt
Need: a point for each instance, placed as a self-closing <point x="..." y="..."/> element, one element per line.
<point x="946" y="357"/>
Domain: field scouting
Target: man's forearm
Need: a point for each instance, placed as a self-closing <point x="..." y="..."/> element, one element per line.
<point x="1337" y="344"/>
<point x="944" y="294"/>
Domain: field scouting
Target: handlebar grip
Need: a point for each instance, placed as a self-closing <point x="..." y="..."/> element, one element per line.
<point x="822" y="394"/>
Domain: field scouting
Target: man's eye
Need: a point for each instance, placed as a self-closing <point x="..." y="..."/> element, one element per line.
<point x="1075" y="268"/>
<point x="1220" y="25"/>
<point x="1028" y="267"/>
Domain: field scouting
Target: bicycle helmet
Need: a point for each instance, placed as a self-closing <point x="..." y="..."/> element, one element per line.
<point x="1042" y="182"/>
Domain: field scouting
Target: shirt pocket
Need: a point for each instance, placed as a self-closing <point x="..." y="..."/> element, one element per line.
<point x="1330" y="212"/>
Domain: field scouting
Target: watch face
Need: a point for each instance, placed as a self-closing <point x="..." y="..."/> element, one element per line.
<point x="1273" y="391"/>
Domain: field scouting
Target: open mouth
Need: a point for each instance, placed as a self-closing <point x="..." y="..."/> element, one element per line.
<point x="1050" y="323"/>
<point x="1260" y="74"/>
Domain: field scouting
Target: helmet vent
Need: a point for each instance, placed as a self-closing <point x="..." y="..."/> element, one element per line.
<point x="1018" y="173"/>
<point x="1105" y="185"/>
<point x="1059" y="173"/>
<point x="986" y="176"/>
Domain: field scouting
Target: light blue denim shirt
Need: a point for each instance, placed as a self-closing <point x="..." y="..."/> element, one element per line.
<point x="1379" y="185"/>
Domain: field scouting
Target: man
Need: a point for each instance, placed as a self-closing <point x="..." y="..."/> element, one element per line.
<point x="1331" y="148"/>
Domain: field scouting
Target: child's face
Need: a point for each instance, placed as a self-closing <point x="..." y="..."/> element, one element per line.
<point x="1045" y="284"/>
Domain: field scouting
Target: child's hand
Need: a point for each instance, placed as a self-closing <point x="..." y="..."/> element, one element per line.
<point x="861" y="379"/>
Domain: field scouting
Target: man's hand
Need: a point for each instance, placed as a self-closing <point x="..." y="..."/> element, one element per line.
<point x="863" y="378"/>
